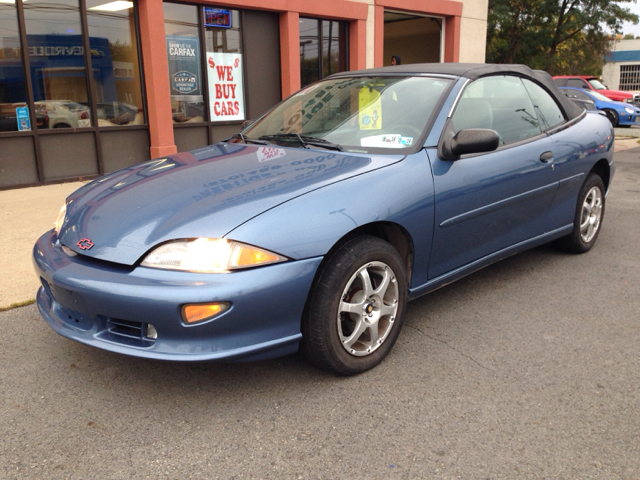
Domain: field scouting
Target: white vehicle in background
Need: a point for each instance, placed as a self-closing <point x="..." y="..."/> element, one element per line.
<point x="64" y="113"/>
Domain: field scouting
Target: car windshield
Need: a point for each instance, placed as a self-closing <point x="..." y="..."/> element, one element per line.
<point x="355" y="114"/>
<point x="597" y="84"/>
<point x="73" y="106"/>
<point x="599" y="96"/>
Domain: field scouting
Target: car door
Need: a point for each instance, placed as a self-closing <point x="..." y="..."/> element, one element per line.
<point x="582" y="96"/>
<point x="488" y="202"/>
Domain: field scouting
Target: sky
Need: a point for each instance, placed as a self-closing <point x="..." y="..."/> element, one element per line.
<point x="630" y="27"/>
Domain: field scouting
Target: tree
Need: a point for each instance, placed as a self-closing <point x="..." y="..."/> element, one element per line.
<point x="583" y="54"/>
<point x="540" y="32"/>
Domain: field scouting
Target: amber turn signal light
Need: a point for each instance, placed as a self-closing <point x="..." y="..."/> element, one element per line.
<point x="203" y="311"/>
<point x="247" y="256"/>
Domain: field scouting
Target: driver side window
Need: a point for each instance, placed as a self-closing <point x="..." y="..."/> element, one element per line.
<point x="499" y="103"/>
<point x="577" y="82"/>
<point x="581" y="96"/>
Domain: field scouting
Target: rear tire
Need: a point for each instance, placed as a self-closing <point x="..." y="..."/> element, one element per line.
<point x="587" y="221"/>
<point x="356" y="307"/>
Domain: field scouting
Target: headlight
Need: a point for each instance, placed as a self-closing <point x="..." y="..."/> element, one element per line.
<point x="628" y="100"/>
<point x="629" y="110"/>
<point x="60" y="220"/>
<point x="209" y="255"/>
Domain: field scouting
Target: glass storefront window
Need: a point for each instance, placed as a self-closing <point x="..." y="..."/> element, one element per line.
<point x="225" y="39"/>
<point x="183" y="52"/>
<point x="13" y="95"/>
<point x="225" y="77"/>
<point x="323" y="49"/>
<point x="115" y="63"/>
<point x="56" y="57"/>
<point x="334" y="47"/>
<point x="309" y="51"/>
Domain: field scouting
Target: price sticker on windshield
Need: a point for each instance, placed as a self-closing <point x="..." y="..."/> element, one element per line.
<point x="370" y="115"/>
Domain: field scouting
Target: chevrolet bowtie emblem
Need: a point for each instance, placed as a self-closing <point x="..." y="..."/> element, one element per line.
<point x="85" y="244"/>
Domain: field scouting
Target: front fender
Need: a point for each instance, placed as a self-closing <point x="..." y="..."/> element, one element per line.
<point x="310" y="225"/>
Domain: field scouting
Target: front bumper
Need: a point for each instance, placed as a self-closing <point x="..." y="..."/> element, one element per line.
<point x="109" y="306"/>
<point x="629" y="119"/>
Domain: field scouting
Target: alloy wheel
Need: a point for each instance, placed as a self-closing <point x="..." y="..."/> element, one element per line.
<point x="368" y="309"/>
<point x="591" y="214"/>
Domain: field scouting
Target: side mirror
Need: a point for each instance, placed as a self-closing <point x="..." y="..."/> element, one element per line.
<point x="472" y="140"/>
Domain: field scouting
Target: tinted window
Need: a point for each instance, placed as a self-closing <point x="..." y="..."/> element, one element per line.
<point x="115" y="65"/>
<point x="58" y="71"/>
<point x="12" y="85"/>
<point x="549" y="114"/>
<point x="576" y="82"/>
<point x="500" y="103"/>
<point x="577" y="94"/>
<point x="323" y="49"/>
<point x="183" y="53"/>
<point x="309" y="51"/>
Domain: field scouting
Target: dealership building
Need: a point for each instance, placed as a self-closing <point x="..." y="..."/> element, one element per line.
<point x="622" y="70"/>
<point x="91" y="86"/>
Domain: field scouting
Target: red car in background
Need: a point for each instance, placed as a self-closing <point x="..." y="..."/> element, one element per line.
<point x="593" y="83"/>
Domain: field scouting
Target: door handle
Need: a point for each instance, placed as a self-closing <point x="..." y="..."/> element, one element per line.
<point x="546" y="157"/>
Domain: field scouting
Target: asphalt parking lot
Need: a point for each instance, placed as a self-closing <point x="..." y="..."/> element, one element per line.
<point x="529" y="368"/>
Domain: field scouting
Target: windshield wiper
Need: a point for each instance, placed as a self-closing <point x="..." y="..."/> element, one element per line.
<point x="245" y="139"/>
<point x="304" y="140"/>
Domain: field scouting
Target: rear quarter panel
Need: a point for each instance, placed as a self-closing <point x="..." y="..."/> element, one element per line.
<point x="578" y="149"/>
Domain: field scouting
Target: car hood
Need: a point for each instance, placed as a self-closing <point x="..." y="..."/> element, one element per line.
<point x="620" y="93"/>
<point x="203" y="193"/>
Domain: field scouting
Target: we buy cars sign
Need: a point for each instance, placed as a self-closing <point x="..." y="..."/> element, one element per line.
<point x="226" y="88"/>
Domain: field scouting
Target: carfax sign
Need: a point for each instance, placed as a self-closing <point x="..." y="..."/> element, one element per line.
<point x="184" y="68"/>
<point x="22" y="116"/>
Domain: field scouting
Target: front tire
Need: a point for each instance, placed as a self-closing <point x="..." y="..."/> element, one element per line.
<point x="613" y="117"/>
<point x="356" y="307"/>
<point x="588" y="218"/>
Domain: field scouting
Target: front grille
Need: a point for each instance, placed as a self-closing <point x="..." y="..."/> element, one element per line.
<point x="128" y="332"/>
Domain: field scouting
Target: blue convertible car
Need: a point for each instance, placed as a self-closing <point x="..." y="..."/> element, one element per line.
<point x="315" y="225"/>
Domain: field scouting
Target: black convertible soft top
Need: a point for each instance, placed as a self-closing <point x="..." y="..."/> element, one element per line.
<point x="474" y="71"/>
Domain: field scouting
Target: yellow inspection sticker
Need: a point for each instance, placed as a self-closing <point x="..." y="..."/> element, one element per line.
<point x="370" y="109"/>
